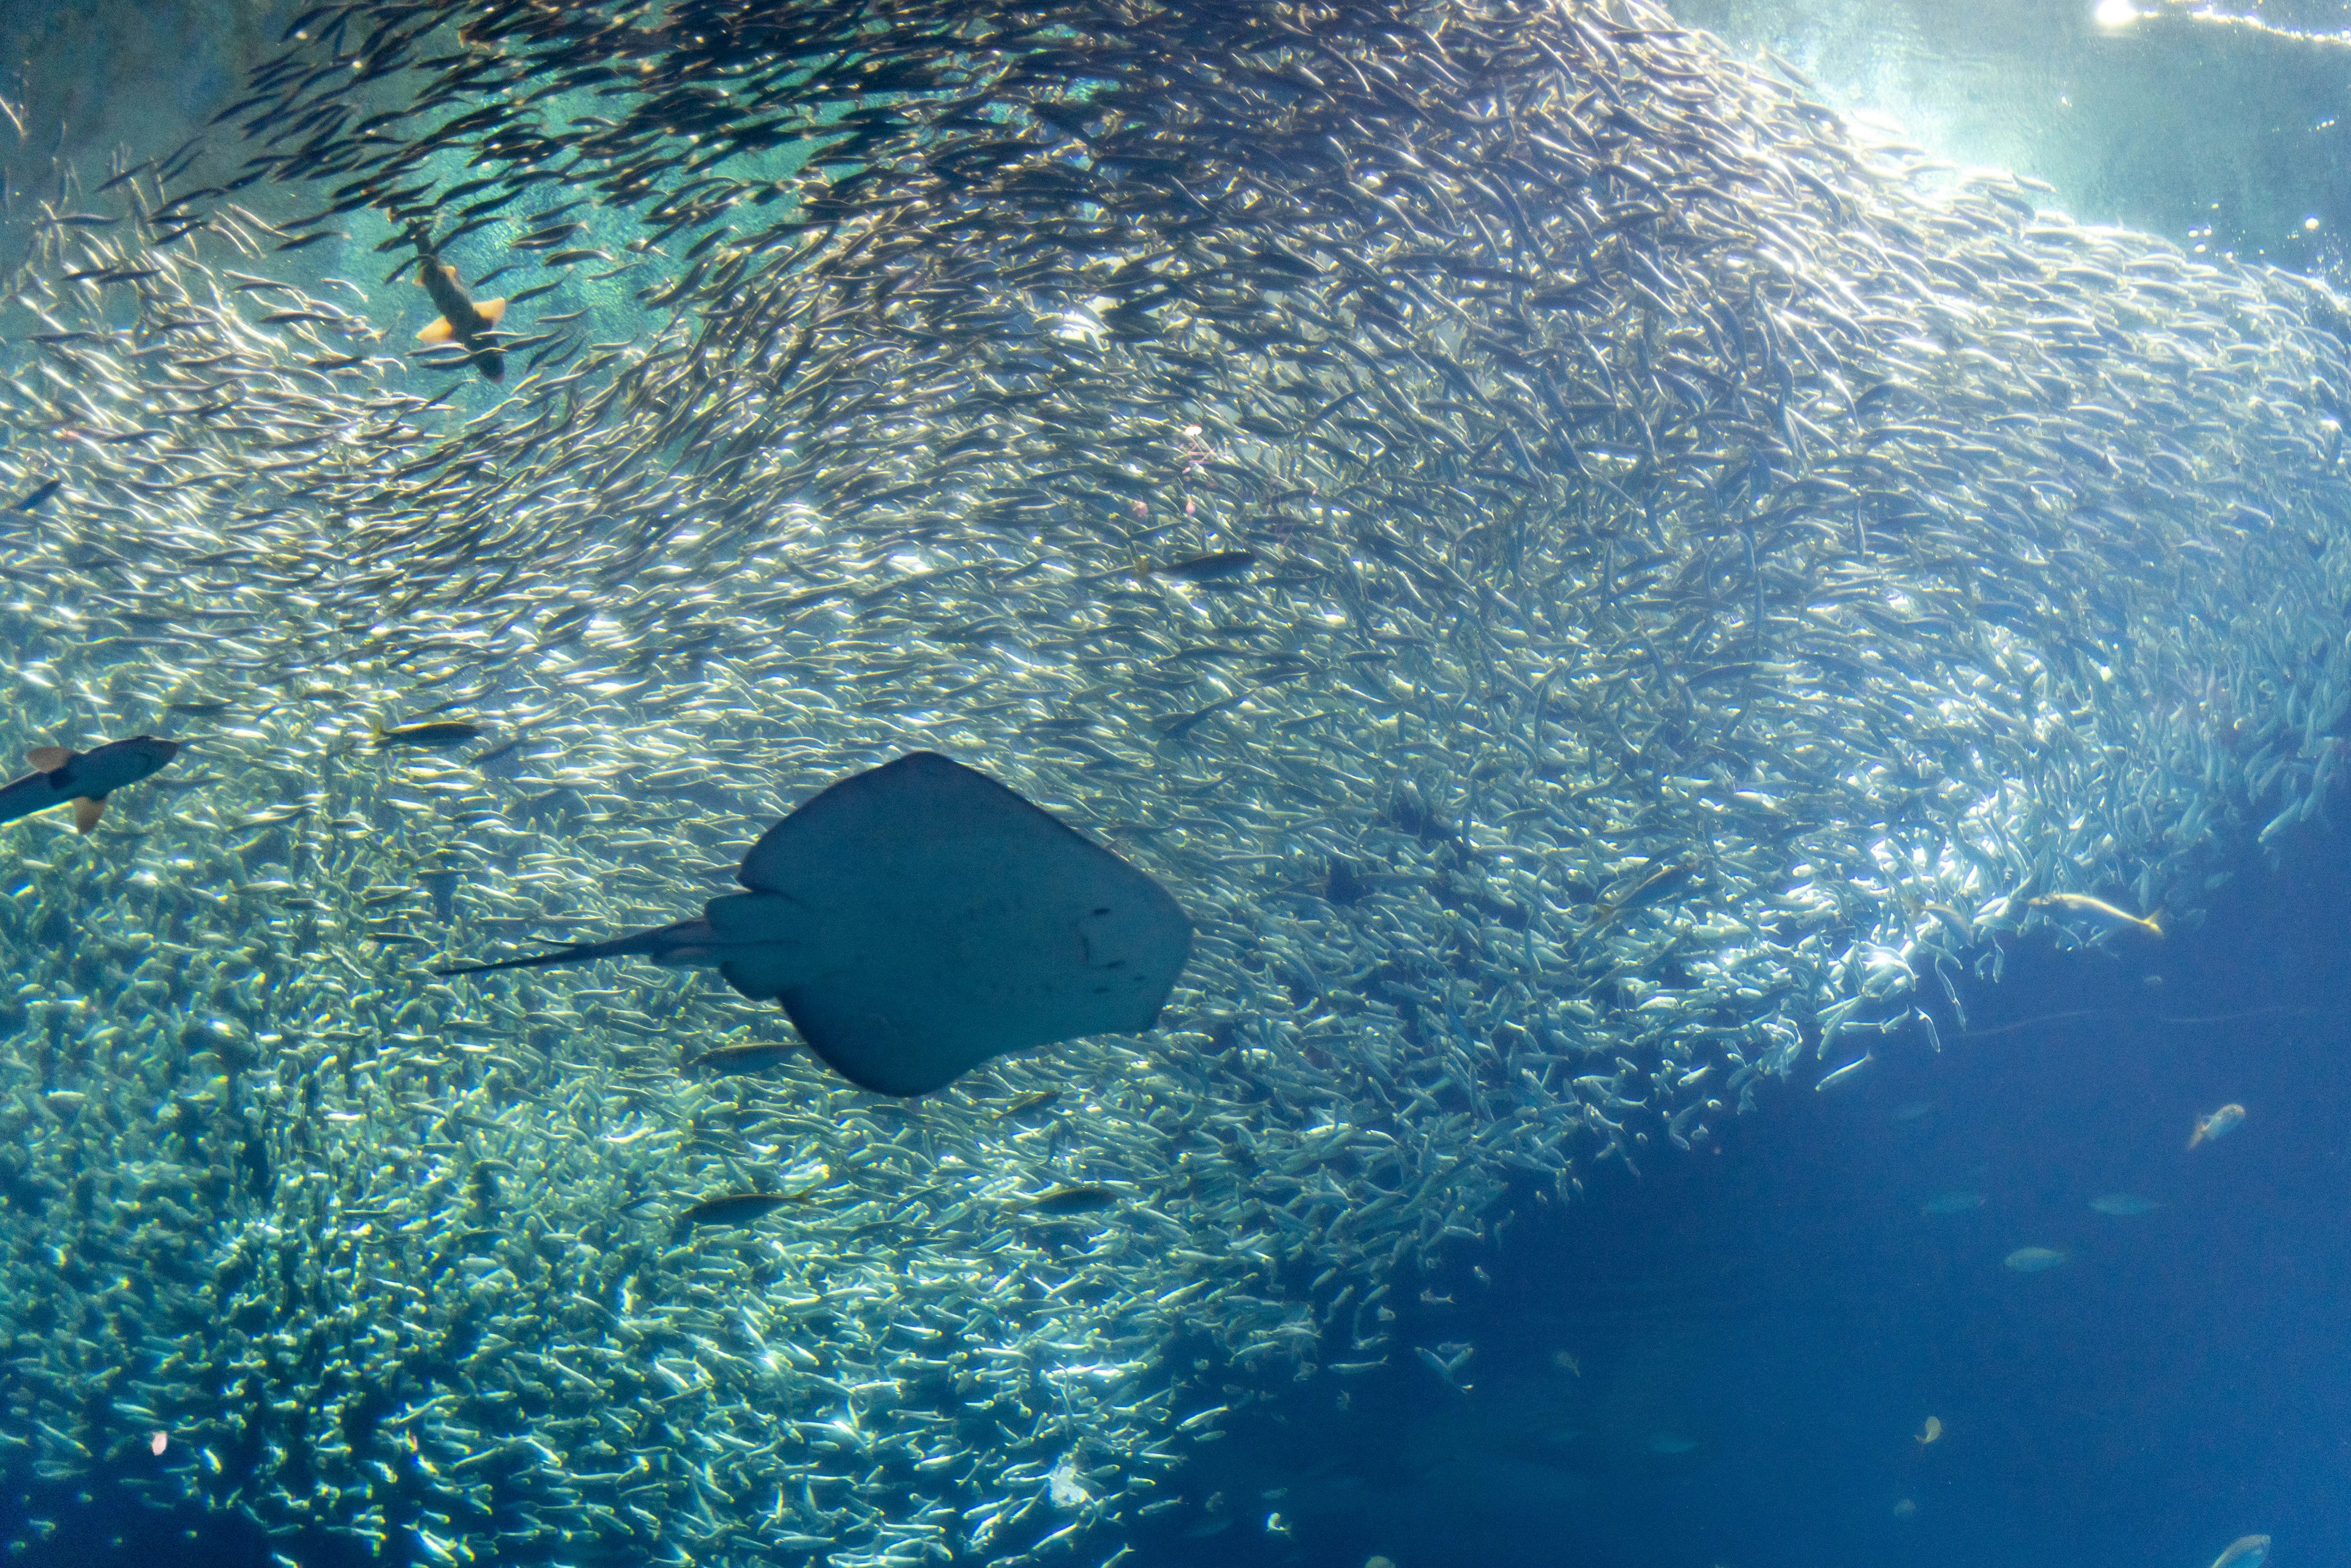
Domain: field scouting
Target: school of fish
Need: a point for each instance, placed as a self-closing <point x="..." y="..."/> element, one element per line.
<point x="1586" y="578"/>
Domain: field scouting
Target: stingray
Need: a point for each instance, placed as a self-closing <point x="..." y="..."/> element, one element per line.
<point x="919" y="918"/>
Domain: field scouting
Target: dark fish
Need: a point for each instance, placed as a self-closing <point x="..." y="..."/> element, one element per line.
<point x="1028" y="1102"/>
<point x="1209" y="567"/>
<point x="430" y="736"/>
<point x="738" y="1207"/>
<point x="38" y="493"/>
<point x="83" y="778"/>
<point x="1072" y="1198"/>
<point x="202" y="709"/>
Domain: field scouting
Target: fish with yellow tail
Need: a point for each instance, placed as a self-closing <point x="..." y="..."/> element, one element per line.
<point x="462" y="318"/>
<point x="2218" y="1125"/>
<point x="2082" y="902"/>
<point x="83" y="779"/>
<point x="2245" y="1552"/>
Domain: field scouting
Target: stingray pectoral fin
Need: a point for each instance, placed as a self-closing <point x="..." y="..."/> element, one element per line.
<point x="48" y="759"/>
<point x="437" y="330"/>
<point x="88" y="810"/>
<point x="890" y="1049"/>
<point x="490" y="310"/>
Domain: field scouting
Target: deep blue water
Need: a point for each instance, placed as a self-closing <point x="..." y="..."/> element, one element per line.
<point x="1782" y="1305"/>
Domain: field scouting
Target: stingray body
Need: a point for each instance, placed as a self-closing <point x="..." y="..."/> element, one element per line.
<point x="918" y="918"/>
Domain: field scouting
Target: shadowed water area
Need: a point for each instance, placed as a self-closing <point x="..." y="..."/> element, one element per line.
<point x="1593" y="582"/>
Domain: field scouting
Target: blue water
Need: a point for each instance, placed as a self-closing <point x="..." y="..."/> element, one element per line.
<point x="1783" y="1304"/>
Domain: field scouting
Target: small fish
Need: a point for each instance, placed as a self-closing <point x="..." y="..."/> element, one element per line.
<point x="1071" y="1198"/>
<point x="1952" y="1203"/>
<point x="1031" y="1100"/>
<point x="1443" y="1368"/>
<point x="430" y="736"/>
<point x="200" y="709"/>
<point x="1647" y="887"/>
<point x="1847" y="1071"/>
<point x="2123" y="1203"/>
<point x="2033" y="1260"/>
<point x="84" y="778"/>
<point x="2088" y="906"/>
<point x="1911" y="1110"/>
<point x="1208" y="567"/>
<point x="2245" y="1552"/>
<point x="1931" y="1432"/>
<point x="743" y="1058"/>
<point x="1904" y="1509"/>
<point x="38" y="493"/>
<point x="2218" y="1125"/>
<point x="462" y="317"/>
<point x="737" y="1208"/>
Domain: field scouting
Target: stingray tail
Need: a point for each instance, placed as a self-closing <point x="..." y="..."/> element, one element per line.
<point x="659" y="943"/>
<point x="578" y="953"/>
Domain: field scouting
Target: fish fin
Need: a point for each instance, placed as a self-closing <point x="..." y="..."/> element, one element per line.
<point x="451" y="273"/>
<point x="48" y="759"/>
<point x="436" y="331"/>
<point x="490" y="309"/>
<point x="88" y="810"/>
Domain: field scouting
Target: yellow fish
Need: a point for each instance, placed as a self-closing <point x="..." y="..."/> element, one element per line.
<point x="1930" y="1431"/>
<point x="2088" y="906"/>
<point x="2218" y="1125"/>
<point x="463" y="318"/>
